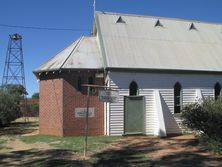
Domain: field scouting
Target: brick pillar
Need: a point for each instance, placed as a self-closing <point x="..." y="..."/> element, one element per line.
<point x="50" y="107"/>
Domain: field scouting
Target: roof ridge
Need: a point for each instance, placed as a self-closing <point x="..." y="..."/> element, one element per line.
<point x="159" y="17"/>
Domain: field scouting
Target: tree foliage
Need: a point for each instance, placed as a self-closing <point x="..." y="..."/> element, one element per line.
<point x="205" y="117"/>
<point x="10" y="96"/>
<point x="35" y="96"/>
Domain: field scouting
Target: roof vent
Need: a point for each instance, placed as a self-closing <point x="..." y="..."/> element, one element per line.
<point x="158" y="24"/>
<point x="192" y="27"/>
<point x="120" y="20"/>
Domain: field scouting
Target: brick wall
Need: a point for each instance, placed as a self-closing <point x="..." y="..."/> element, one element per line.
<point x="59" y="96"/>
<point x="72" y="98"/>
<point x="50" y="107"/>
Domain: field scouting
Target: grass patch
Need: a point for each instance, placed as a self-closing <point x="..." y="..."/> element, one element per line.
<point x="70" y="143"/>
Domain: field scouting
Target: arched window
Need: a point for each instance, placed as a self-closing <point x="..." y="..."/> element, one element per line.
<point x="217" y="91"/>
<point x="177" y="98"/>
<point x="133" y="89"/>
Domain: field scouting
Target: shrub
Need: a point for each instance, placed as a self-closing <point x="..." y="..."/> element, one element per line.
<point x="10" y="97"/>
<point x="206" y="118"/>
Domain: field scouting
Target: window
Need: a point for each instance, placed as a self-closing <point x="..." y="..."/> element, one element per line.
<point x="133" y="89"/>
<point x="79" y="84"/>
<point x="177" y="98"/>
<point x="217" y="91"/>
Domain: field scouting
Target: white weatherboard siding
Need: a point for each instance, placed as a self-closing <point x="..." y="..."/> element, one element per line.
<point x="116" y="113"/>
<point x="189" y="95"/>
<point x="207" y="93"/>
<point x="151" y="123"/>
<point x="164" y="83"/>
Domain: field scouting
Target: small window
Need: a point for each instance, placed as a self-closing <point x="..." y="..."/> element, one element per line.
<point x="192" y="27"/>
<point x="177" y="98"/>
<point x="217" y="91"/>
<point x="133" y="89"/>
<point x="120" y="20"/>
<point x="79" y="84"/>
<point x="158" y="24"/>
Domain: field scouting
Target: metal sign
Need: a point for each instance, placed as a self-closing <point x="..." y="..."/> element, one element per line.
<point x="81" y="112"/>
<point x="110" y="96"/>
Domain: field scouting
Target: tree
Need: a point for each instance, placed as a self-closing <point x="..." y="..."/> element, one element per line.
<point x="10" y="96"/>
<point x="35" y="96"/>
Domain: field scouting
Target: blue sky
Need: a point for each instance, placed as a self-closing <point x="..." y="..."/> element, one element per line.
<point x="40" y="45"/>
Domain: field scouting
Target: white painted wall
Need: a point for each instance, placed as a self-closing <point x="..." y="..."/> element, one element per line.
<point x="164" y="83"/>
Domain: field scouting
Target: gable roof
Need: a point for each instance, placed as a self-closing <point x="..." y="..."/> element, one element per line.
<point x="139" y="44"/>
<point x="83" y="53"/>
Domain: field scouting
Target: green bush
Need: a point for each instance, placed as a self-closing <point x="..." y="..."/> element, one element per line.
<point x="205" y="118"/>
<point x="10" y="97"/>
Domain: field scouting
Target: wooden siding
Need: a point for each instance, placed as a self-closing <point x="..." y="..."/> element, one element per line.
<point x="189" y="96"/>
<point x="116" y="114"/>
<point x="147" y="83"/>
<point x="151" y="121"/>
<point x="207" y="93"/>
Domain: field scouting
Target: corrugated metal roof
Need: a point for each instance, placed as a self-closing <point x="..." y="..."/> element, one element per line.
<point x="137" y="43"/>
<point x="84" y="53"/>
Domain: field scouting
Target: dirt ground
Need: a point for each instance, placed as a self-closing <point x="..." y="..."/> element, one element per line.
<point x="178" y="151"/>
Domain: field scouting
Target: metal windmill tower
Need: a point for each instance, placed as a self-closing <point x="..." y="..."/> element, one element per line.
<point x="14" y="64"/>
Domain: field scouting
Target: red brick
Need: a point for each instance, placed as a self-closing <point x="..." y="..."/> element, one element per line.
<point x="58" y="99"/>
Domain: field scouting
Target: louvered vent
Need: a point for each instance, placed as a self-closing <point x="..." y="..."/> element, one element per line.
<point x="120" y="20"/>
<point x="158" y="24"/>
<point x="192" y="27"/>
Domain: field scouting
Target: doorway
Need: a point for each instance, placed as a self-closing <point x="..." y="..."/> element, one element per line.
<point x="134" y="114"/>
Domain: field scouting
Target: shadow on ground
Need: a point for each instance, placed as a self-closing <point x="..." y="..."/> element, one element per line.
<point x="121" y="153"/>
<point x="19" y="128"/>
<point x="34" y="157"/>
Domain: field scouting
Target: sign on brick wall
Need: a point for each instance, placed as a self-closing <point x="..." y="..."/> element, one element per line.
<point x="81" y="112"/>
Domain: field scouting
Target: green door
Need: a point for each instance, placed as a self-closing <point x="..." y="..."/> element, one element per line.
<point x="133" y="114"/>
